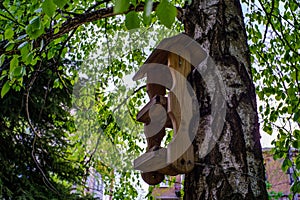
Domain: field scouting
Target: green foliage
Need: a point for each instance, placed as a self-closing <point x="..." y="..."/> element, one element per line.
<point x="272" y="194"/>
<point x="149" y="194"/>
<point x="48" y="145"/>
<point x="273" y="32"/>
<point x="275" y="195"/>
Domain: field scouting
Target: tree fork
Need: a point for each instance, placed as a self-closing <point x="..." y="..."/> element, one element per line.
<point x="234" y="168"/>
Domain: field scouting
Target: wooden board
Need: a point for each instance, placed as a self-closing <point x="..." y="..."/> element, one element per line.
<point x="151" y="161"/>
<point x="143" y="115"/>
<point x="180" y="149"/>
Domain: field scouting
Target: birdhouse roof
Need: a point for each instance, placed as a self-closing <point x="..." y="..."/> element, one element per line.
<point x="181" y="45"/>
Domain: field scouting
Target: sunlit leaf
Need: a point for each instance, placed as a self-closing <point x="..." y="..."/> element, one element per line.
<point x="121" y="6"/>
<point x="49" y="7"/>
<point x="166" y="13"/>
<point x="8" y="34"/>
<point x="60" y="3"/>
<point x="14" y="63"/>
<point x="5" y="89"/>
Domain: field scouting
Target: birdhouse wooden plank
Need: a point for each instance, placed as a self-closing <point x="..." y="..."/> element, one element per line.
<point x="143" y="114"/>
<point x="152" y="161"/>
<point x="180" y="70"/>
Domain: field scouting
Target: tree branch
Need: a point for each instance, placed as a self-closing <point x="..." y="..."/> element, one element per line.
<point x="80" y="19"/>
<point x="124" y="101"/>
<point x="84" y="18"/>
<point x="93" y="152"/>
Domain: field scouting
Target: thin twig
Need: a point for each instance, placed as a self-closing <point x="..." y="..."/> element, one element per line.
<point x="94" y="151"/>
<point x="7" y="17"/>
<point x="124" y="101"/>
<point x="45" y="98"/>
<point x="13" y="17"/>
<point x="269" y="21"/>
<point x="36" y="135"/>
<point x="57" y="63"/>
<point x="281" y="37"/>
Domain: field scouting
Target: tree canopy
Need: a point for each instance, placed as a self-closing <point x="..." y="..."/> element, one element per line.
<point x="67" y="108"/>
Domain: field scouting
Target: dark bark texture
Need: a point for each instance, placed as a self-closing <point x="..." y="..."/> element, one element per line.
<point x="234" y="167"/>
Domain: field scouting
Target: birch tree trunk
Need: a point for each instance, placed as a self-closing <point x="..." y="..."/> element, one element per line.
<point x="234" y="167"/>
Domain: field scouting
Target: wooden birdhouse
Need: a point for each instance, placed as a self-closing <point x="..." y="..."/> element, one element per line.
<point x="167" y="69"/>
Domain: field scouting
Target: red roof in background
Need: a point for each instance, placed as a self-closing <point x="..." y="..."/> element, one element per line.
<point x="279" y="179"/>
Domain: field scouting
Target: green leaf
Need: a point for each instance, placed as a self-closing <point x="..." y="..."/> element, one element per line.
<point x="296" y="134"/>
<point x="35" y="28"/>
<point x="147" y="12"/>
<point x="133" y="2"/>
<point x="148" y="8"/>
<point x="22" y="45"/>
<point x="166" y="13"/>
<point x="277" y="155"/>
<point x="56" y="83"/>
<point x="298" y="163"/>
<point x="49" y="7"/>
<point x="291" y="91"/>
<point x="13" y="63"/>
<point x="35" y="23"/>
<point x="2" y="58"/>
<point x="5" y="89"/>
<point x="297" y="117"/>
<point x="293" y="6"/>
<point x="28" y="58"/>
<point x="24" y="52"/>
<point x="121" y="6"/>
<point x="268" y="129"/>
<point x="18" y="72"/>
<point x="9" y="46"/>
<point x="132" y="20"/>
<point x="296" y="187"/>
<point x="8" y="34"/>
<point x="287" y="163"/>
<point x="296" y="144"/>
<point x="22" y="37"/>
<point x="60" y="3"/>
